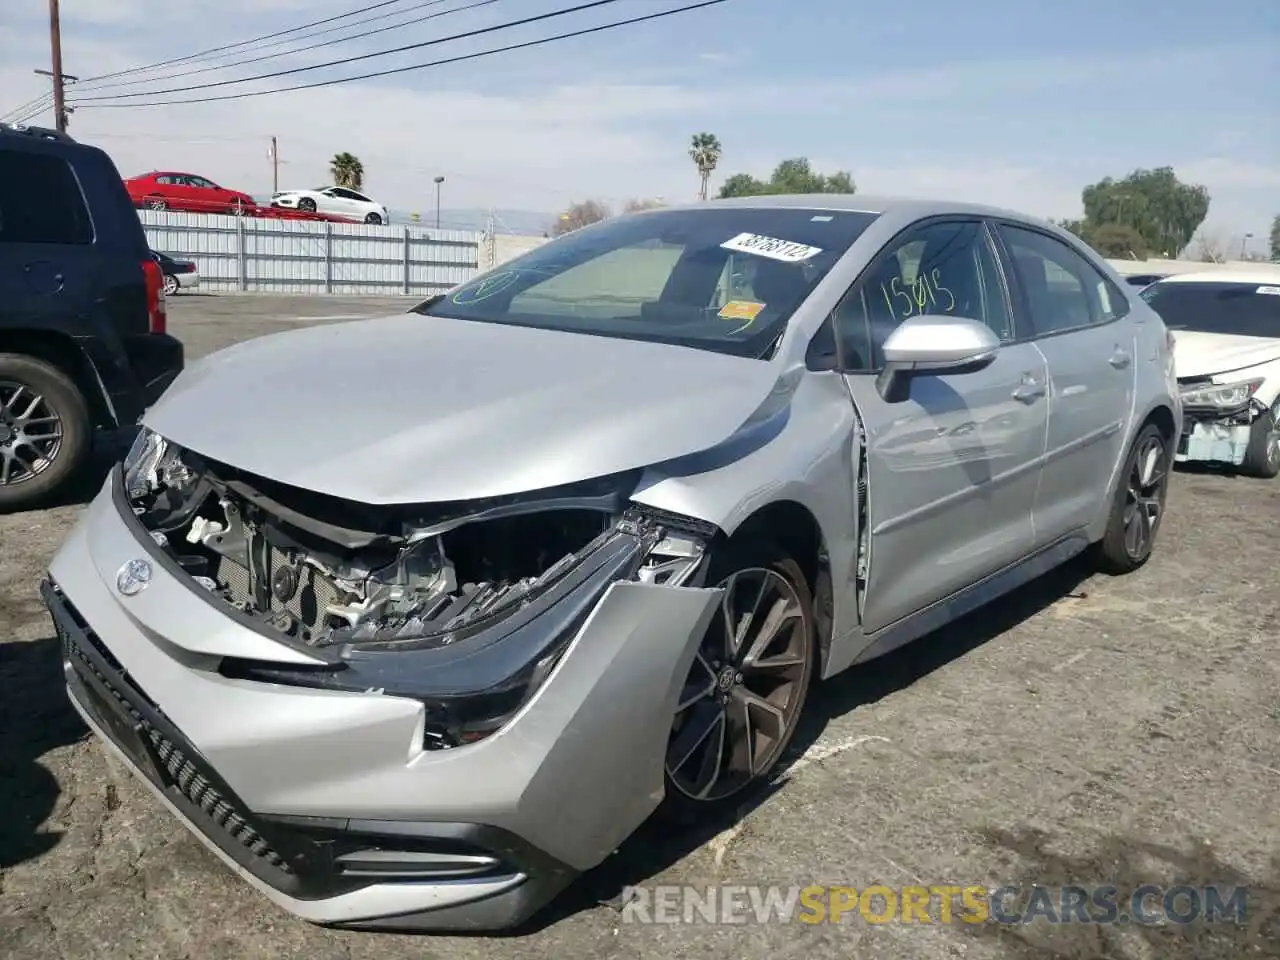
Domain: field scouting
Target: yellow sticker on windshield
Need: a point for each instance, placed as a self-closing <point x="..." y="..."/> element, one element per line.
<point x="740" y="310"/>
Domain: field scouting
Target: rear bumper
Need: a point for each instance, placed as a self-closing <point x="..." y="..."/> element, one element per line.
<point x="134" y="376"/>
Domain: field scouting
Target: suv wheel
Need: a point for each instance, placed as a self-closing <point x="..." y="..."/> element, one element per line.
<point x="44" y="430"/>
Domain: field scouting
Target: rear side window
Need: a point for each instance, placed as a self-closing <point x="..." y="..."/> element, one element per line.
<point x="1063" y="291"/>
<point x="40" y="201"/>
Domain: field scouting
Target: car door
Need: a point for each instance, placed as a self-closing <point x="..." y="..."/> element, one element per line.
<point x="1082" y="324"/>
<point x="206" y="195"/>
<point x="47" y="264"/>
<point x="952" y="469"/>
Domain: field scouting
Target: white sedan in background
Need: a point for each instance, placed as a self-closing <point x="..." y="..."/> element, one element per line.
<point x="338" y="201"/>
<point x="1226" y="327"/>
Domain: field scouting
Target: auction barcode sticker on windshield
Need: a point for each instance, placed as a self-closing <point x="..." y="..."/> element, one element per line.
<point x="1273" y="291"/>
<point x="771" y="247"/>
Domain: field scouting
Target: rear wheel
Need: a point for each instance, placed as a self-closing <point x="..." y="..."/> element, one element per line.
<point x="170" y="284"/>
<point x="157" y="203"/>
<point x="44" y="430"/>
<point x="750" y="679"/>
<point x="1138" y="507"/>
<point x="1262" y="456"/>
<point x="374" y="218"/>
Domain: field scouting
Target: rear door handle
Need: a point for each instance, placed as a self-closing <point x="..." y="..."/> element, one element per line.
<point x="1120" y="359"/>
<point x="1028" y="389"/>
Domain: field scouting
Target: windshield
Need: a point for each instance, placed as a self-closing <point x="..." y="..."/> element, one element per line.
<point x="1241" y="309"/>
<point x="725" y="280"/>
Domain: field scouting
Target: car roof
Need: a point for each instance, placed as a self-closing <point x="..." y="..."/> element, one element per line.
<point x="914" y="207"/>
<point x="1250" y="276"/>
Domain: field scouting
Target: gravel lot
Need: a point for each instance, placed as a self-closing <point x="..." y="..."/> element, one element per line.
<point x="1088" y="730"/>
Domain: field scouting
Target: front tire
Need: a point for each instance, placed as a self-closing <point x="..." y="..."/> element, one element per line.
<point x="307" y="204"/>
<point x="1262" y="456"/>
<point x="44" y="430"/>
<point x="1138" y="506"/>
<point x="170" y="285"/>
<point x="749" y="682"/>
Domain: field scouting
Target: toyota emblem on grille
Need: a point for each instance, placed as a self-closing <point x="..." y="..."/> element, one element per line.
<point x="133" y="577"/>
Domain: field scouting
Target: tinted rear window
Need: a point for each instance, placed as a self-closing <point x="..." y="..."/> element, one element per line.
<point x="1242" y="309"/>
<point x="40" y="201"/>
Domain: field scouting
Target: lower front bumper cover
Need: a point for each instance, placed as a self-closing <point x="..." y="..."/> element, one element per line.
<point x="486" y="877"/>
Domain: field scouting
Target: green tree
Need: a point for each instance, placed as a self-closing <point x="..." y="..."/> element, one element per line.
<point x="1118" y="241"/>
<point x="1164" y="211"/>
<point x="790" y="176"/>
<point x="705" y="152"/>
<point x="1275" y="238"/>
<point x="347" y="171"/>
<point x="580" y="215"/>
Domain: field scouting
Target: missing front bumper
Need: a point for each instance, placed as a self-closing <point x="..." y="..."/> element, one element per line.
<point x="1213" y="441"/>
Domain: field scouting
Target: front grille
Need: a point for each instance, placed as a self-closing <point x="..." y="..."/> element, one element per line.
<point x="180" y="766"/>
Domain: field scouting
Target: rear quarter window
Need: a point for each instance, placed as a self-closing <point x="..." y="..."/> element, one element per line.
<point x="41" y="201"/>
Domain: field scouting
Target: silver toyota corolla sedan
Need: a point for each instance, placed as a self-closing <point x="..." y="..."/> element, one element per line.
<point x="412" y="620"/>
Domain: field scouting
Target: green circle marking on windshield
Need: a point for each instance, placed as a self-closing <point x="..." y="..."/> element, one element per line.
<point x="487" y="287"/>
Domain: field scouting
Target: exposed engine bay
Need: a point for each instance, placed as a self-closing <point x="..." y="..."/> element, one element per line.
<point x="322" y="571"/>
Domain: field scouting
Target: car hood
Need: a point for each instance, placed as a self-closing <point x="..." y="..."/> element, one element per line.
<point x="417" y="409"/>
<point x="1197" y="354"/>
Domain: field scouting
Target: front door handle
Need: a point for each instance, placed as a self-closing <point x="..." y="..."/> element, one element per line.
<point x="1028" y="389"/>
<point x="1120" y="359"/>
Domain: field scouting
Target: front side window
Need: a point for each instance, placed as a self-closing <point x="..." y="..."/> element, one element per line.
<point x="725" y="280"/>
<point x="1063" y="290"/>
<point x="944" y="268"/>
<point x="40" y="201"/>
<point x="1234" y="308"/>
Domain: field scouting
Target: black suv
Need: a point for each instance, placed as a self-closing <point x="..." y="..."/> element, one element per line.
<point x="83" y="345"/>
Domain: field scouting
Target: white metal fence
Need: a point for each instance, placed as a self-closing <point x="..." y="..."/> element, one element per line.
<point x="301" y="256"/>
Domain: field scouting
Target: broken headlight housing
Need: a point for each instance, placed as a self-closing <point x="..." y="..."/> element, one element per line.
<point x="473" y="681"/>
<point x="1220" y="396"/>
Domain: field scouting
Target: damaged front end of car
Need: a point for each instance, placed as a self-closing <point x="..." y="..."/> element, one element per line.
<point x="466" y="607"/>
<point x="1217" y="419"/>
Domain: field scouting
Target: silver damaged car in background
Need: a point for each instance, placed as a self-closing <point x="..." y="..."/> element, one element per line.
<point x="413" y="620"/>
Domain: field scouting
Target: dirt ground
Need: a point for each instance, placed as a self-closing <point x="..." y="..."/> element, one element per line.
<point x="1087" y="730"/>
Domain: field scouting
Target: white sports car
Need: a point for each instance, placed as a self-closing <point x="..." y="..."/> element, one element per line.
<point x="338" y="201"/>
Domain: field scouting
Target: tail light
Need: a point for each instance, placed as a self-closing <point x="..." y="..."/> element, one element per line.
<point x="156" y="319"/>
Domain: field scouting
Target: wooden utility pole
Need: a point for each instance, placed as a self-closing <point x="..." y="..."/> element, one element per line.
<point x="55" y="45"/>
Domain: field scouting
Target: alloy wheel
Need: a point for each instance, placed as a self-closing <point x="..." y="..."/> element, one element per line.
<point x="30" y="433"/>
<point x="743" y="693"/>
<point x="1273" y="437"/>
<point x="1144" y="498"/>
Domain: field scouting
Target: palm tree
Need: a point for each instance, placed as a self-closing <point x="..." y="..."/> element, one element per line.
<point x="347" y="171"/>
<point x="705" y="151"/>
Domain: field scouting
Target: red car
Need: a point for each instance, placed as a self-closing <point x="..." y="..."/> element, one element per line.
<point x="165" y="190"/>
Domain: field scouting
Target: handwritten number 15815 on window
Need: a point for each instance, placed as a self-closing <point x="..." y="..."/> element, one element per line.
<point x="924" y="295"/>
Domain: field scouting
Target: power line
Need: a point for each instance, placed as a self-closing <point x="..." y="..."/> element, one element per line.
<point x="420" y="66"/>
<point x="39" y="105"/>
<point x="244" y="43"/>
<point x="307" y="36"/>
<point x="364" y="56"/>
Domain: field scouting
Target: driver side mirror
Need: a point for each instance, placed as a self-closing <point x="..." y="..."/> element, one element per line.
<point x="933" y="343"/>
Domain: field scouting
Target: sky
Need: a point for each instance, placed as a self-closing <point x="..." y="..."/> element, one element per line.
<point x="1010" y="102"/>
